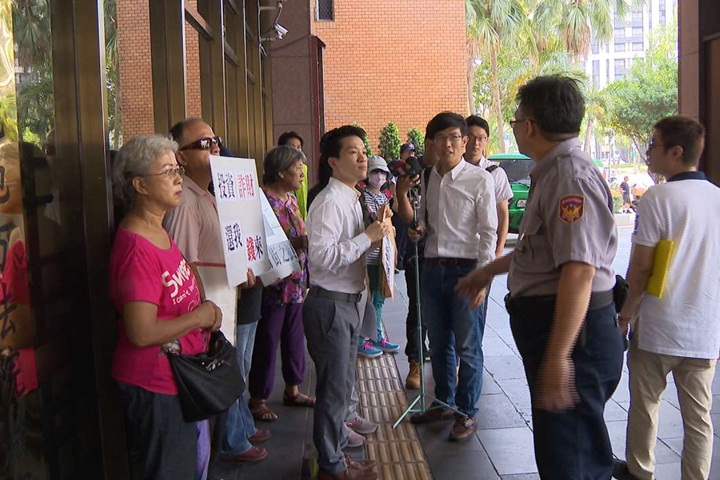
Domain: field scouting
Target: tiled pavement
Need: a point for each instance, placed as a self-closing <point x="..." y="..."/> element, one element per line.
<point x="502" y="447"/>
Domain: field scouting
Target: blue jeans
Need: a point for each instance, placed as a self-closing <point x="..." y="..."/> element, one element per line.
<point x="573" y="444"/>
<point x="453" y="328"/>
<point x="378" y="299"/>
<point x="240" y="423"/>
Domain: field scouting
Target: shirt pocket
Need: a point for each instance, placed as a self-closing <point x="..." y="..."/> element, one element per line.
<point x="534" y="242"/>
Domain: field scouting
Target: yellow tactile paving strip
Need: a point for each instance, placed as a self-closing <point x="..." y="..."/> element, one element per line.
<point x="382" y="400"/>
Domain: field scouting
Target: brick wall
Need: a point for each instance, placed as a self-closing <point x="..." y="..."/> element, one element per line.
<point x="401" y="61"/>
<point x="193" y="105"/>
<point x="133" y="18"/>
<point x="136" y="68"/>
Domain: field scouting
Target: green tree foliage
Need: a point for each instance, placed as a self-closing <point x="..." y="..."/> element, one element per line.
<point x="418" y="139"/>
<point x="390" y="142"/>
<point x="492" y="26"/>
<point x="365" y="140"/>
<point x="648" y="93"/>
<point x="33" y="40"/>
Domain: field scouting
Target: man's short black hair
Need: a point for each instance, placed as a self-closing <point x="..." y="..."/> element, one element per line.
<point x="478" y="121"/>
<point x="685" y="132"/>
<point x="555" y="103"/>
<point x="330" y="146"/>
<point x="443" y="121"/>
<point x="286" y="136"/>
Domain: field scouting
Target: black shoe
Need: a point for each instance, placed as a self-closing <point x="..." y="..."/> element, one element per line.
<point x="621" y="472"/>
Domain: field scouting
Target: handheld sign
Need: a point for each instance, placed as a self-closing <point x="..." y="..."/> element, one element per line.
<point x="239" y="209"/>
<point x="281" y="254"/>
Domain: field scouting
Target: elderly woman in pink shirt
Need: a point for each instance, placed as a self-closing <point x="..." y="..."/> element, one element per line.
<point x="160" y="306"/>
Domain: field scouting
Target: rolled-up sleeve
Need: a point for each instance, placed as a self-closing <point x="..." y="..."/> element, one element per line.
<point x="487" y="221"/>
<point x="324" y="229"/>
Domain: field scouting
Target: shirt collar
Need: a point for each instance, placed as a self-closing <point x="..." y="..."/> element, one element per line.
<point x="455" y="172"/>
<point x="688" y="176"/>
<point x="191" y="185"/>
<point x="350" y="193"/>
<point x="550" y="159"/>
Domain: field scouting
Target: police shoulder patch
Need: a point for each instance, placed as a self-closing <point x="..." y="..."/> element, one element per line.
<point x="571" y="208"/>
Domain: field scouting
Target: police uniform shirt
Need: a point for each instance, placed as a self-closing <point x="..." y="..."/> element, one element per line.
<point x="568" y="218"/>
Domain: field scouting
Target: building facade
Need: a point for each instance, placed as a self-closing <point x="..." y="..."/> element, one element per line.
<point x="369" y="63"/>
<point x="610" y="61"/>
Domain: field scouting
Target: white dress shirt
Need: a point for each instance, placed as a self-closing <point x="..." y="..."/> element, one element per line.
<point x="461" y="212"/>
<point x="337" y="239"/>
<point x="503" y="191"/>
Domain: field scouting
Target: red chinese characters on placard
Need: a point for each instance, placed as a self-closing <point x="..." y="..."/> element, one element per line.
<point x="245" y="186"/>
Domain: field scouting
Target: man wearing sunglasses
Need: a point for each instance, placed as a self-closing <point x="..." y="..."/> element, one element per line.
<point x="195" y="227"/>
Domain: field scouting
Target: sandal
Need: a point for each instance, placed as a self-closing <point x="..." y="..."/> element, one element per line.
<point x="261" y="412"/>
<point x="298" y="400"/>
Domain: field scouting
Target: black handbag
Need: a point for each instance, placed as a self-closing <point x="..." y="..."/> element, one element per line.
<point x="208" y="383"/>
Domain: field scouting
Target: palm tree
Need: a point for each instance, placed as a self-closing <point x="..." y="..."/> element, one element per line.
<point x="492" y="24"/>
<point x="578" y="21"/>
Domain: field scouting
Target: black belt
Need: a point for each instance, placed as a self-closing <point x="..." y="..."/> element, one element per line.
<point x="527" y="304"/>
<point x="339" y="296"/>
<point x="450" y="262"/>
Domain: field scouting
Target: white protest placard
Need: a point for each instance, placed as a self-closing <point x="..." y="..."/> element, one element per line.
<point x="281" y="254"/>
<point x="217" y="290"/>
<point x="239" y="210"/>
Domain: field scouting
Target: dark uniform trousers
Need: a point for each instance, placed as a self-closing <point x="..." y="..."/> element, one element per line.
<point x="574" y="444"/>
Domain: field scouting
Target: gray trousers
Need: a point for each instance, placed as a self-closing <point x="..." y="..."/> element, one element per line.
<point x="332" y="329"/>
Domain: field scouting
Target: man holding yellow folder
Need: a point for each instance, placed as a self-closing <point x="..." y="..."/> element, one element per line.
<point x="673" y="303"/>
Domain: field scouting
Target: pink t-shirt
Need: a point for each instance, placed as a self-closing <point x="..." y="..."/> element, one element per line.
<point x="142" y="272"/>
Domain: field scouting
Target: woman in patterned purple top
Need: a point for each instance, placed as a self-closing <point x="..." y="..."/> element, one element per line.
<point x="281" y="321"/>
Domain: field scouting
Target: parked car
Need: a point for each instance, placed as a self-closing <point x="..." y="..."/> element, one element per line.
<point x="517" y="167"/>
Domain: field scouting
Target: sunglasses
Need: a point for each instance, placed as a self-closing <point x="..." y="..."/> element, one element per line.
<point x="204" y="144"/>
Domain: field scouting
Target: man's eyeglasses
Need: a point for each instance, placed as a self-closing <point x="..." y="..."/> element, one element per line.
<point x="519" y="120"/>
<point x="169" y="173"/>
<point x="444" y="138"/>
<point x="652" y="145"/>
<point x="480" y="138"/>
<point x="206" y="143"/>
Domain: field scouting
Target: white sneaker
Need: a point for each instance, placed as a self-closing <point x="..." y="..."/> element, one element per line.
<point x="362" y="425"/>
<point x="354" y="439"/>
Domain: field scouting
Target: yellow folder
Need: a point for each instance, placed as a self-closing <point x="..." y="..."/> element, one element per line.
<point x="661" y="262"/>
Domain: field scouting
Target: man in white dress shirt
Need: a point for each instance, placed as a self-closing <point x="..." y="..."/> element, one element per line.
<point x="478" y="137"/>
<point x="337" y="242"/>
<point x="459" y="217"/>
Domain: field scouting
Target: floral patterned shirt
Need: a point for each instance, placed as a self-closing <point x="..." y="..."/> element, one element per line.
<point x="292" y="289"/>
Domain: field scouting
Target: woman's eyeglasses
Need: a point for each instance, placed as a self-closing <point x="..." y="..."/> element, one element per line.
<point x="169" y="173"/>
<point x="204" y="144"/>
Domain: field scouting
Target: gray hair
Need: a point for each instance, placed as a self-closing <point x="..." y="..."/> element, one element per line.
<point x="278" y="160"/>
<point x="135" y="159"/>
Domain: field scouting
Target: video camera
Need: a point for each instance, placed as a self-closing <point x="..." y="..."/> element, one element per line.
<point x="410" y="166"/>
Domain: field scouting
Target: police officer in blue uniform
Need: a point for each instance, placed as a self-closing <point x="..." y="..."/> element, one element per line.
<point x="560" y="281"/>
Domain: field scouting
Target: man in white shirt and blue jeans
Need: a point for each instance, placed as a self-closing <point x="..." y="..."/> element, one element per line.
<point x="337" y="242"/>
<point x="459" y="217"/>
<point x="678" y="331"/>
